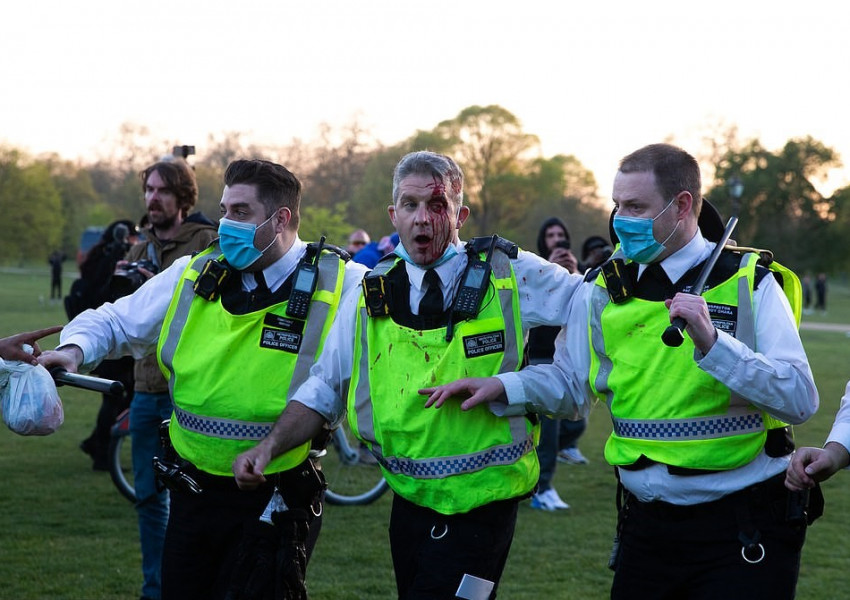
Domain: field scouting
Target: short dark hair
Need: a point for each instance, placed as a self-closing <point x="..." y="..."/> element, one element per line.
<point x="276" y="186"/>
<point x="178" y="177"/>
<point x="675" y="170"/>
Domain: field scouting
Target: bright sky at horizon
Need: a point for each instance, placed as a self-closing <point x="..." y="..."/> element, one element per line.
<point x="596" y="80"/>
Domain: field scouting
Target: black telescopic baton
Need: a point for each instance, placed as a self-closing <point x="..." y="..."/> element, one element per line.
<point x="86" y="382"/>
<point x="673" y="335"/>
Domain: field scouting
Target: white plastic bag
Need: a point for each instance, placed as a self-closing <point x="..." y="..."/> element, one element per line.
<point x="30" y="402"/>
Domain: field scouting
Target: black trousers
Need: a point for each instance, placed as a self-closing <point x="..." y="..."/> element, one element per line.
<point x="432" y="552"/>
<point x="203" y="535"/>
<point x="695" y="552"/>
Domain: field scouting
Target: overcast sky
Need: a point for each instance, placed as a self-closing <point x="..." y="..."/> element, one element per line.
<point x="593" y="79"/>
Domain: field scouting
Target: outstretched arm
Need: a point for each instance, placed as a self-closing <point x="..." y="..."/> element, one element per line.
<point x="11" y="348"/>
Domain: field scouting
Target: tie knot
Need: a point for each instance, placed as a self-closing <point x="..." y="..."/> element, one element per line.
<point x="432" y="300"/>
<point x="432" y="277"/>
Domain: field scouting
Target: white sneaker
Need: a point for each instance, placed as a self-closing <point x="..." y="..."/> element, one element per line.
<point x="572" y="456"/>
<point x="548" y="500"/>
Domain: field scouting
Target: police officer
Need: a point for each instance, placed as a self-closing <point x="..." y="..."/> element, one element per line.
<point x="233" y="349"/>
<point x="435" y="309"/>
<point x="700" y="440"/>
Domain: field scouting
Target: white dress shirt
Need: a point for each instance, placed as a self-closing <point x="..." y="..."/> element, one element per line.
<point x="545" y="290"/>
<point x="131" y="325"/>
<point x="776" y="378"/>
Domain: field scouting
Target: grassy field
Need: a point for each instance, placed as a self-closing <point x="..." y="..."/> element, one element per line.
<point x="66" y="532"/>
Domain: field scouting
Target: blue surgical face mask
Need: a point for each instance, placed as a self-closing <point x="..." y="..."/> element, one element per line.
<point x="636" y="238"/>
<point x="447" y="254"/>
<point x="236" y="240"/>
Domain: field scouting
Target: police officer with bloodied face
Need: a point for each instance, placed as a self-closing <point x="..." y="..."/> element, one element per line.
<point x="435" y="309"/>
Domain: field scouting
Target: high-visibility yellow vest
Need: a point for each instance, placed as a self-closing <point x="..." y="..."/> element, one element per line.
<point x="663" y="406"/>
<point x="445" y="459"/>
<point x="230" y="376"/>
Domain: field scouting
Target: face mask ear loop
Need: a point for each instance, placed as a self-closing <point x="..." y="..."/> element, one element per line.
<point x="271" y="243"/>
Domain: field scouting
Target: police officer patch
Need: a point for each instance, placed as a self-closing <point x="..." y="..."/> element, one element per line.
<point x="484" y="343"/>
<point x="276" y="339"/>
<point x="724" y="317"/>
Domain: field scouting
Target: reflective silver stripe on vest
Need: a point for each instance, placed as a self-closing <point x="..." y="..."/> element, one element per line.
<point x="502" y="270"/>
<point x="695" y="428"/>
<point x="598" y="301"/>
<point x="226" y="429"/>
<point x="438" y="468"/>
<point x="185" y="296"/>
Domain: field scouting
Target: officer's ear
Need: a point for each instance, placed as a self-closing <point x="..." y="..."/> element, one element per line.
<point x="282" y="219"/>
<point x="462" y="216"/>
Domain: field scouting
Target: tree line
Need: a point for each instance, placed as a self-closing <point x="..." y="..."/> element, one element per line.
<point x="46" y="201"/>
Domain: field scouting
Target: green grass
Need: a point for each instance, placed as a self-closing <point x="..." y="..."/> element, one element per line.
<point x="67" y="533"/>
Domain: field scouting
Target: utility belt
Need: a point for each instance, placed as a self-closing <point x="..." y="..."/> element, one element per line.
<point x="770" y="495"/>
<point x="301" y="486"/>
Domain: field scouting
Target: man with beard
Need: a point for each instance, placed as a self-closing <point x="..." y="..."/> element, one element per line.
<point x="436" y="308"/>
<point x="170" y="192"/>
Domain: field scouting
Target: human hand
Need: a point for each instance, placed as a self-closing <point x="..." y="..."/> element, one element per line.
<point x="11" y="348"/>
<point x="694" y="310"/>
<point x="248" y="467"/>
<point x="476" y="390"/>
<point x="67" y="357"/>
<point x="811" y="465"/>
<point x="565" y="258"/>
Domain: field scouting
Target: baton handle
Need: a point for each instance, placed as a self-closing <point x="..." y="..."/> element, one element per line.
<point x="86" y="382"/>
<point x="673" y="336"/>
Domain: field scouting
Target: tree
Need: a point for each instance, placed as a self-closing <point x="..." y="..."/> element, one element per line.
<point x="781" y="209"/>
<point x="488" y="143"/>
<point x="32" y="209"/>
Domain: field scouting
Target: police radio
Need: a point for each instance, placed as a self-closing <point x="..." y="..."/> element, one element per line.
<point x="474" y="284"/>
<point x="306" y="278"/>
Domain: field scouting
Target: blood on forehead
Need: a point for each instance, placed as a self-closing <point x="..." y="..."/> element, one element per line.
<point x="439" y="189"/>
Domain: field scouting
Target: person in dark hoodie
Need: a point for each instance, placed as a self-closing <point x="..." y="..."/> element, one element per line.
<point x="553" y="244"/>
<point x="170" y="192"/>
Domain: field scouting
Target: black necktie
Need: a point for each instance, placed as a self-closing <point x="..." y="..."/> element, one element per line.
<point x="654" y="283"/>
<point x="262" y="288"/>
<point x="432" y="301"/>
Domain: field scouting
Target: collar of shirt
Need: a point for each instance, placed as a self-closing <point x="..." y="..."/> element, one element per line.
<point x="684" y="259"/>
<point x="277" y="272"/>
<point x="448" y="272"/>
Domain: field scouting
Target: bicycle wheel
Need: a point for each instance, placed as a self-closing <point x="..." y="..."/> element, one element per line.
<point x="351" y="482"/>
<point x="120" y="456"/>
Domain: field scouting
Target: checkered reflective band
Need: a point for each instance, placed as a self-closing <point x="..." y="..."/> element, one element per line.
<point x="226" y="429"/>
<point x="437" y="468"/>
<point x="699" y="428"/>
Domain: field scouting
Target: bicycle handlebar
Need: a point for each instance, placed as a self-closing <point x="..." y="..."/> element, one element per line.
<point x="86" y="382"/>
